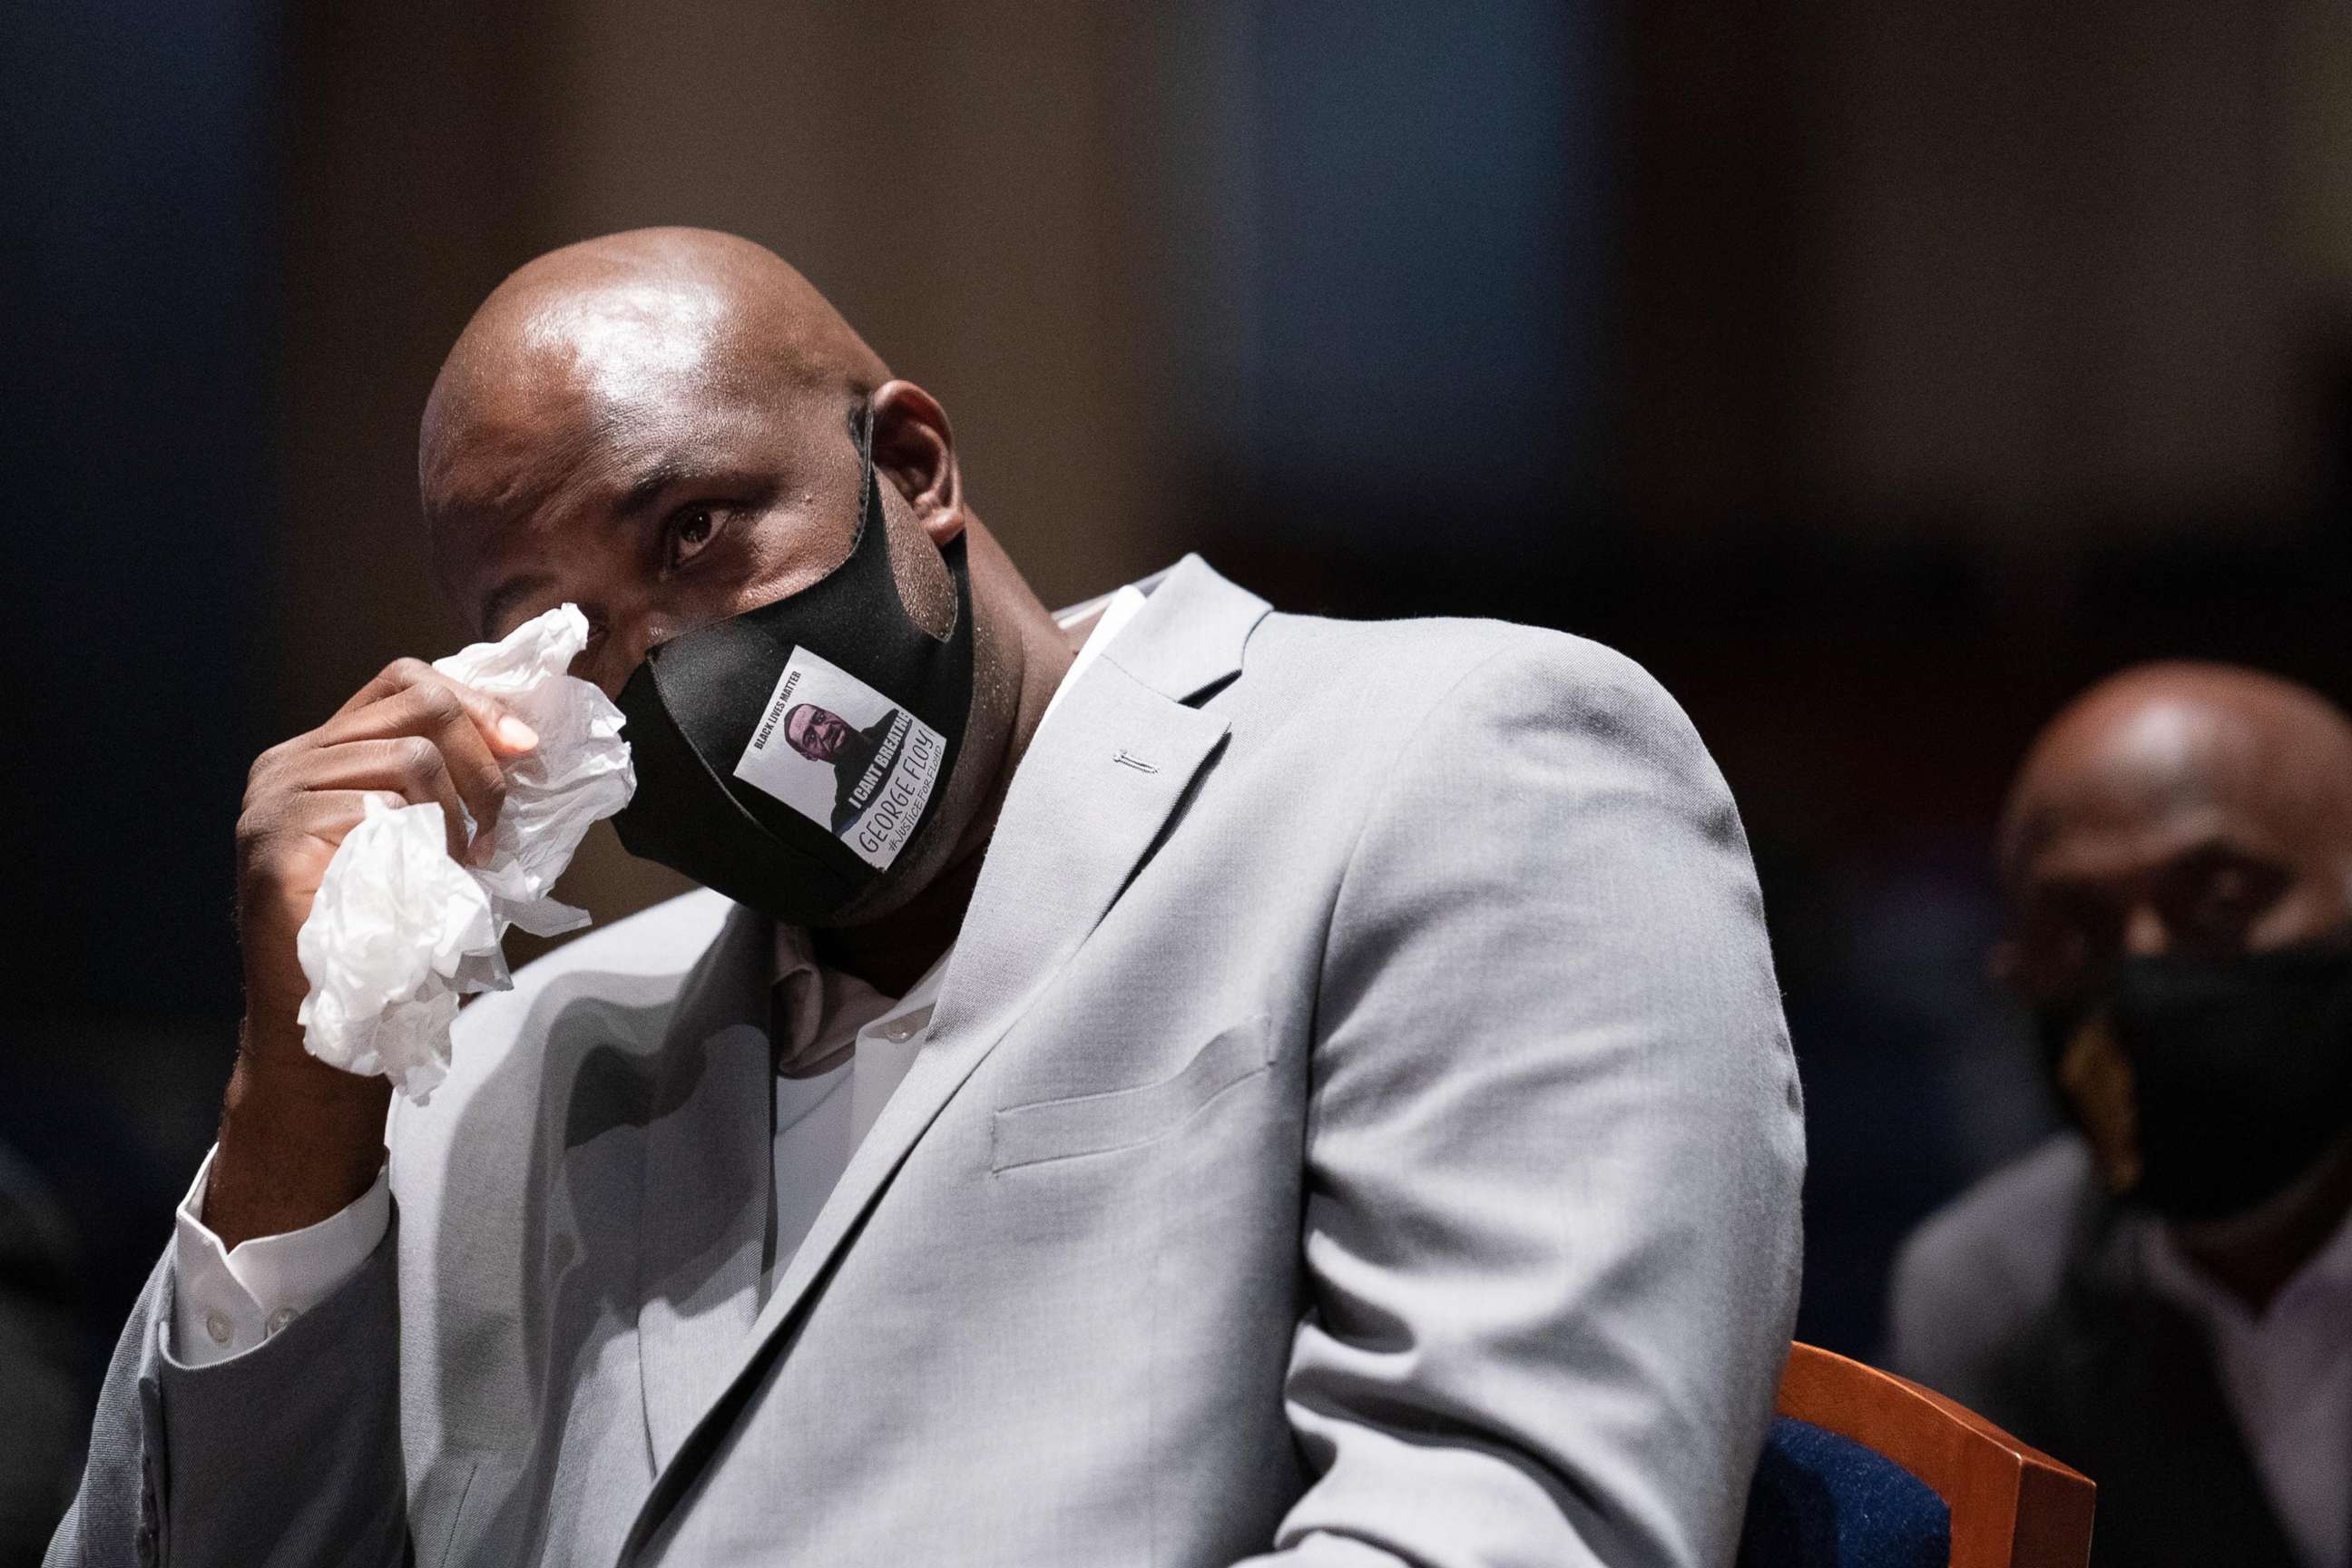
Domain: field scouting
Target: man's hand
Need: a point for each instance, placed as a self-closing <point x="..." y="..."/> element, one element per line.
<point x="299" y="1140"/>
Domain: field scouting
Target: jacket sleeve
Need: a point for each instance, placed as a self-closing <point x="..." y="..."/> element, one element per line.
<point x="288" y="1453"/>
<point x="1554" y="1146"/>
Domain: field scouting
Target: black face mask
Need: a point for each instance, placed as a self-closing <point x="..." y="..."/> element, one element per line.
<point x="2240" y="1072"/>
<point x="790" y="755"/>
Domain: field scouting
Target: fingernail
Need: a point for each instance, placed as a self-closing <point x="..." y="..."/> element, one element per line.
<point x="517" y="733"/>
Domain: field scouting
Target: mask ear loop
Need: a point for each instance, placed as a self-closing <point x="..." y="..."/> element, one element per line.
<point x="861" y="434"/>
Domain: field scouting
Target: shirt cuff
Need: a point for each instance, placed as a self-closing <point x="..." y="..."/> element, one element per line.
<point x="225" y="1302"/>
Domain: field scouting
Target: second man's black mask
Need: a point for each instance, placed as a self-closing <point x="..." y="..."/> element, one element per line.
<point x="2218" y="1081"/>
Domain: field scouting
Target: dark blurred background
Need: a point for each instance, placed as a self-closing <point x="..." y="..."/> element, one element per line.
<point x="1878" y="373"/>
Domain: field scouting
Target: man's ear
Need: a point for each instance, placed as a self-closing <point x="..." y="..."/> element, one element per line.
<point x="2001" y="963"/>
<point x="915" y="445"/>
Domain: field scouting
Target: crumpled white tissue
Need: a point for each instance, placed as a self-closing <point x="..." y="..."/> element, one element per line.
<point x="399" y="931"/>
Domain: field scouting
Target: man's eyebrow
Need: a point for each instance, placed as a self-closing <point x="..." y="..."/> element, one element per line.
<point x="2222" y="844"/>
<point x="650" y="485"/>
<point x="691" y="468"/>
<point x="2202" y="845"/>
<point x="506" y="596"/>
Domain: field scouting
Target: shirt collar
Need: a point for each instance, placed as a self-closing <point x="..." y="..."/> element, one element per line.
<point x="1117" y="612"/>
<point x="799" y="997"/>
<point x="2333" y="1262"/>
<point x="2172" y="1275"/>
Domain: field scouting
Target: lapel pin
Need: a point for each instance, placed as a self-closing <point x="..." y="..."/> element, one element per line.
<point x="1128" y="759"/>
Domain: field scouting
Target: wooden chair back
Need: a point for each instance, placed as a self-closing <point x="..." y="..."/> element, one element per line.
<point x="2012" y="1505"/>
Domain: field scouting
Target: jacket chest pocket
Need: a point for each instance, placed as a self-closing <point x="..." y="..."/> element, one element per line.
<point x="1065" y="1128"/>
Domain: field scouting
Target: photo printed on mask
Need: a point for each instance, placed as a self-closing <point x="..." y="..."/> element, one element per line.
<point x="844" y="756"/>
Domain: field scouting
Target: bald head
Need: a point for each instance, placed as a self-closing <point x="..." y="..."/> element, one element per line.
<point x="660" y="426"/>
<point x="2188" y="807"/>
<point x="609" y="333"/>
<point x="2165" y="740"/>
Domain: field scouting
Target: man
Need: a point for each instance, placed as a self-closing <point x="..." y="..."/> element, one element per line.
<point x="2163" y="1300"/>
<point x="1178" y="1134"/>
<point x="823" y="736"/>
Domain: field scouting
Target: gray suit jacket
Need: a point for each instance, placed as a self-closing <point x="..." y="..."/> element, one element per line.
<point x="2026" y="1299"/>
<point x="1357" y="1128"/>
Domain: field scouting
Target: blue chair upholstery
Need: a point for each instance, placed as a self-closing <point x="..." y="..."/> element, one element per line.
<point x="1821" y="1501"/>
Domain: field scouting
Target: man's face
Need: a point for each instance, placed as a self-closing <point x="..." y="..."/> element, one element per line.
<point x="2180" y="811"/>
<point x="816" y="733"/>
<point x="658" y="428"/>
<point x="2176" y="829"/>
<point x="621" y="461"/>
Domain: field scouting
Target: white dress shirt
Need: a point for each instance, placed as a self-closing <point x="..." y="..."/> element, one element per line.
<point x="823" y="1116"/>
<point x="2287" y="1376"/>
<point x="227" y="1301"/>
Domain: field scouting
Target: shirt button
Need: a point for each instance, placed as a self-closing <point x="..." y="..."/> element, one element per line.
<point x="279" y="1318"/>
<point x="217" y="1325"/>
<point x="907" y="1026"/>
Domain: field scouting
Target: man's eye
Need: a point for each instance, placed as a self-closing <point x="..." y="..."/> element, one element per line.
<point x="2218" y="901"/>
<point x="689" y="530"/>
<point x="2228" y="902"/>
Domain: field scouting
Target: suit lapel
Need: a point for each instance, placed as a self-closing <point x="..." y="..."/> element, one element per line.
<point x="703" y="1211"/>
<point x="1189" y="638"/>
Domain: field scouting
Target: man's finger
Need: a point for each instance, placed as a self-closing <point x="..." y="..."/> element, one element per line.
<point x="500" y="726"/>
<point x="326" y="817"/>
<point x="330" y="815"/>
<point x="437" y="711"/>
<point x="411" y="766"/>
